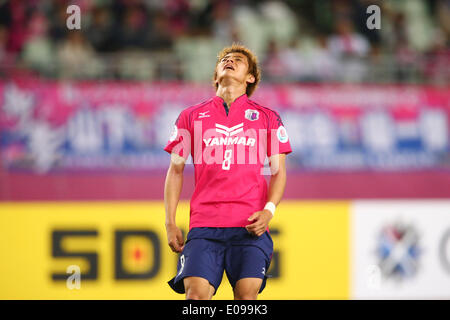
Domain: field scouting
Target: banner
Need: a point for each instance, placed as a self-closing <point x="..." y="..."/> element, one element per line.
<point x="118" y="250"/>
<point x="123" y="126"/>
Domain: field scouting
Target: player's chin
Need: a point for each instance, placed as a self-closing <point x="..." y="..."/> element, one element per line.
<point x="228" y="75"/>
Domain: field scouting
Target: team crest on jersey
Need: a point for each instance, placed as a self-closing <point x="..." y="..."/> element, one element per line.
<point x="251" y="115"/>
<point x="282" y="134"/>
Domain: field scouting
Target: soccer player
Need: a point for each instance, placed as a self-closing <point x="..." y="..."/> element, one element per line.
<point x="228" y="137"/>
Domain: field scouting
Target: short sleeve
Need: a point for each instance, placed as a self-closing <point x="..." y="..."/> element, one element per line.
<point x="277" y="136"/>
<point x="180" y="137"/>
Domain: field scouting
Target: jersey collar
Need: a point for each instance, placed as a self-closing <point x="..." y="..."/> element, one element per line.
<point x="239" y="102"/>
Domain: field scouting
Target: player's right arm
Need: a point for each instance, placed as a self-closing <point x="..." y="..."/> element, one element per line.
<point x="178" y="146"/>
<point x="172" y="191"/>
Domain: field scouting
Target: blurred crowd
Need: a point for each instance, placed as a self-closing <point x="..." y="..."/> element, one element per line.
<point x="295" y="40"/>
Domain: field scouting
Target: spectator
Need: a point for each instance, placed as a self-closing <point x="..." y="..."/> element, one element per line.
<point x="418" y="26"/>
<point x="293" y="62"/>
<point x="178" y="16"/>
<point x="272" y="64"/>
<point x="437" y="62"/>
<point x="280" y="21"/>
<point x="323" y="63"/>
<point x="134" y="30"/>
<point x="350" y="48"/>
<point x="15" y="13"/>
<point x="5" y="57"/>
<point x="58" y="16"/>
<point x="222" y="28"/>
<point x="160" y="37"/>
<point x="102" y="30"/>
<point x="346" y="43"/>
<point x="38" y="50"/>
<point x="405" y="56"/>
<point x="442" y="13"/>
<point x="76" y="57"/>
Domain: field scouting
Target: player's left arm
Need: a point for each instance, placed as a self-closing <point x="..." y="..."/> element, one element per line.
<point x="260" y="219"/>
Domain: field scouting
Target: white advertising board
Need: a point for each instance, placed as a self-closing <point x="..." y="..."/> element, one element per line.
<point x="400" y="249"/>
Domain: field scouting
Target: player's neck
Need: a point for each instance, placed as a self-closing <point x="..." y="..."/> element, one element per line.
<point x="230" y="93"/>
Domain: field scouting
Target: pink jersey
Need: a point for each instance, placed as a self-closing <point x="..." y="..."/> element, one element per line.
<point x="228" y="150"/>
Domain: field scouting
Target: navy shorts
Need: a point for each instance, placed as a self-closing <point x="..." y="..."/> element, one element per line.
<point x="210" y="251"/>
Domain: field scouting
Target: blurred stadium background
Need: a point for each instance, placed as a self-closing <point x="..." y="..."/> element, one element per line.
<point x="85" y="114"/>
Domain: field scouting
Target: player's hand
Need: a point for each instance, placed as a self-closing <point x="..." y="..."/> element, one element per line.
<point x="260" y="223"/>
<point x="175" y="238"/>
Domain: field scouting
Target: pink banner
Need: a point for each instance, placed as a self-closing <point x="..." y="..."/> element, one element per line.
<point x="59" y="137"/>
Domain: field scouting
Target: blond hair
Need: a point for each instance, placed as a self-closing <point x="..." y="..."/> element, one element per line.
<point x="253" y="67"/>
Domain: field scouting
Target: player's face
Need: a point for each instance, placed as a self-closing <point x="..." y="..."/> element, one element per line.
<point x="234" y="65"/>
